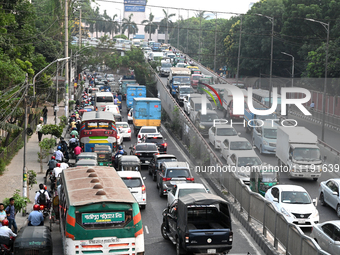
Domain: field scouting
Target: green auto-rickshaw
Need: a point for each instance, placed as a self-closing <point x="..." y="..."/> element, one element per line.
<point x="104" y="153"/>
<point x="262" y="180"/>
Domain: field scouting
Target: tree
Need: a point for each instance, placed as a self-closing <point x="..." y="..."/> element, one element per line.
<point x="150" y="26"/>
<point x="115" y="27"/>
<point x="129" y="25"/>
<point x="165" y="23"/>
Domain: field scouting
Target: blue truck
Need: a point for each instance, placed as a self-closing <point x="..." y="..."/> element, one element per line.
<point x="127" y="79"/>
<point x="156" y="47"/>
<point x="134" y="91"/>
<point x="178" y="76"/>
<point x="146" y="112"/>
<point x="249" y="117"/>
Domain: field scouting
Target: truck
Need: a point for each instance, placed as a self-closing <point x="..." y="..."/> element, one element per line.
<point x="156" y="46"/>
<point x="127" y="79"/>
<point x="178" y="76"/>
<point x="146" y="112"/>
<point x="299" y="152"/>
<point x="134" y="91"/>
<point x="227" y="104"/>
<point x="198" y="223"/>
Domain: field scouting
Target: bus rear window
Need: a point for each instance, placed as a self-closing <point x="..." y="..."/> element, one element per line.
<point x="104" y="99"/>
<point x="97" y="125"/>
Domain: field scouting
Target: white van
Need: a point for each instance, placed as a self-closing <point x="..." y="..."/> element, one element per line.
<point x="102" y="99"/>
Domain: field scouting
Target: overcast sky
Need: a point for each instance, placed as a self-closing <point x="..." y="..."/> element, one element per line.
<point x="219" y="6"/>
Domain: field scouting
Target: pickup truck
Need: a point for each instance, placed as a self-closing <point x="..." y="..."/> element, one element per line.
<point x="198" y="223"/>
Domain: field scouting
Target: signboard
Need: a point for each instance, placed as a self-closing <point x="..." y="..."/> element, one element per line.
<point x="134" y="8"/>
<point x="136" y="2"/>
<point x="103" y="218"/>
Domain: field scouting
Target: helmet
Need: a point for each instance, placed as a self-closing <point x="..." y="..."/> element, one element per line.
<point x="62" y="139"/>
<point x="59" y="148"/>
<point x="76" y="112"/>
<point x="36" y="207"/>
<point x="120" y="147"/>
<point x="58" y="165"/>
<point x="73" y="136"/>
<point x="5" y="222"/>
<point x="45" y="187"/>
<point x="121" y="152"/>
<point x="53" y="157"/>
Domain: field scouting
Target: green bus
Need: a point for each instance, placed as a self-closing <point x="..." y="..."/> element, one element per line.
<point x="98" y="214"/>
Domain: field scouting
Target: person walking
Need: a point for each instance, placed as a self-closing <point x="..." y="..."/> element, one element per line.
<point x="10" y="210"/>
<point x="312" y="106"/>
<point x="38" y="131"/>
<point x="45" y="111"/>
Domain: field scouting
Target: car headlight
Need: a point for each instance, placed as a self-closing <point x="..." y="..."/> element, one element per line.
<point x="315" y="214"/>
<point x="201" y="126"/>
<point x="265" y="142"/>
<point x="284" y="212"/>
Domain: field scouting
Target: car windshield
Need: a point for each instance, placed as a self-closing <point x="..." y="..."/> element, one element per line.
<point x="132" y="182"/>
<point x="185" y="91"/>
<point x="109" y="75"/>
<point x="181" y="65"/>
<point x="148" y="130"/>
<point x="243" y="145"/>
<point x="295" y="197"/>
<point x="146" y="147"/>
<point x="181" y="80"/>
<point x="208" y="117"/>
<point x="248" y="161"/>
<point x="173" y="173"/>
<point x="166" y="65"/>
<point x="122" y="125"/>
<point x="269" y="177"/>
<point x="184" y="192"/>
<point x="198" y="107"/>
<point x="226" y="132"/>
<point x="267" y="117"/>
<point x="270" y="133"/>
<point x="309" y="154"/>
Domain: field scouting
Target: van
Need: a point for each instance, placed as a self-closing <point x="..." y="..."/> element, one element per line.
<point x="203" y="122"/>
<point x="134" y="181"/>
<point x="102" y="99"/>
<point x="196" y="105"/>
<point x="264" y="137"/>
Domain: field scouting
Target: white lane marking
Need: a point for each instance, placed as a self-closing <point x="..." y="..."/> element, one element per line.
<point x="250" y="242"/>
<point x="146" y="229"/>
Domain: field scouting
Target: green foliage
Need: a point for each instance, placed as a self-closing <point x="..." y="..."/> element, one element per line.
<point x="71" y="102"/>
<point x="45" y="145"/>
<point x="32" y="178"/>
<point x="51" y="129"/>
<point x="121" y="36"/>
<point x="2" y="166"/>
<point x="175" y="123"/>
<point x="19" y="201"/>
<point x="63" y="120"/>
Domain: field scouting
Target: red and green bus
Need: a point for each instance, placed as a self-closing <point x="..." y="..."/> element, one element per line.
<point x="98" y="214"/>
<point x="98" y="128"/>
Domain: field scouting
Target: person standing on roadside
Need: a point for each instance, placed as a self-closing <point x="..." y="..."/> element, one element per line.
<point x="45" y="111"/>
<point x="10" y="210"/>
<point x="3" y="214"/>
<point x="38" y="131"/>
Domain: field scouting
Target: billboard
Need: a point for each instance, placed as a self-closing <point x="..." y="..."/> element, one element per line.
<point x="136" y="2"/>
<point x="134" y="8"/>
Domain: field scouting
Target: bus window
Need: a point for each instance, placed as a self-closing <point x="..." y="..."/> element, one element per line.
<point x="104" y="99"/>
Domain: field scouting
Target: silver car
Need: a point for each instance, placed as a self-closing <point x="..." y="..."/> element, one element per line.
<point x="327" y="235"/>
<point x="329" y="194"/>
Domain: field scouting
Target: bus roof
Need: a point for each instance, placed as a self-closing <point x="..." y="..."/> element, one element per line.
<point x="100" y="115"/>
<point x="104" y="94"/>
<point x="88" y="185"/>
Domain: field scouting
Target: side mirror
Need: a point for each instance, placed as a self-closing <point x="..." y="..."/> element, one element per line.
<point x="314" y="202"/>
<point x="335" y="193"/>
<point x="144" y="178"/>
<point x="238" y="133"/>
<point x="254" y="147"/>
<point x="275" y="200"/>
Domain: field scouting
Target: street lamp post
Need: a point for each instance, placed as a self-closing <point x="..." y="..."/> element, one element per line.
<point x="271" y="19"/>
<point x="293" y="60"/>
<point x="326" y="26"/>
<point x="239" y="53"/>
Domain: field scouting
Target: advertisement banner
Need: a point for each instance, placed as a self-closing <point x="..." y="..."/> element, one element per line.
<point x="103" y="218"/>
<point x="136" y="2"/>
<point x="134" y="8"/>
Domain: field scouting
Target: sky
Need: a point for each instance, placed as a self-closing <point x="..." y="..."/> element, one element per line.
<point x="228" y="6"/>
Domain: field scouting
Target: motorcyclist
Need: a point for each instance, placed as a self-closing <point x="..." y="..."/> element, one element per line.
<point x="7" y="234"/>
<point x="39" y="196"/>
<point x="59" y="156"/>
<point x="119" y="153"/>
<point x="74" y="132"/>
<point x="36" y="218"/>
<point x="73" y="142"/>
<point x="51" y="165"/>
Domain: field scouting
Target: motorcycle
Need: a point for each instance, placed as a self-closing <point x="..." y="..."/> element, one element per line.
<point x="6" y="247"/>
<point x="44" y="210"/>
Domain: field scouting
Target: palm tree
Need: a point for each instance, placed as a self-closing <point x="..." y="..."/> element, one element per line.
<point x="166" y="22"/>
<point x="150" y="26"/>
<point x="115" y="27"/>
<point x="129" y="25"/>
<point x="200" y="15"/>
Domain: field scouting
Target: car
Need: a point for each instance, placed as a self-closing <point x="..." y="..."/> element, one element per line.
<point x="217" y="133"/>
<point x="155" y="164"/>
<point x="232" y="144"/>
<point x="182" y="65"/>
<point x="329" y="194"/>
<point x="294" y="203"/>
<point x="144" y="151"/>
<point x="156" y="139"/>
<point x="130" y="116"/>
<point x="120" y="138"/>
<point x="172" y="173"/>
<point x="110" y="78"/>
<point x="243" y="162"/>
<point x="124" y="129"/>
<point x="86" y="162"/>
<point x="146" y="130"/>
<point x="135" y="182"/>
<point x="264" y="136"/>
<point x="164" y="69"/>
<point x="327" y="235"/>
<point x="204" y="122"/>
<point x="183" y="189"/>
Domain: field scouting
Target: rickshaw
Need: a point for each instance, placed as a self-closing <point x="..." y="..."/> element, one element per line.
<point x="33" y="240"/>
<point x="104" y="153"/>
<point x="129" y="163"/>
<point x="262" y="180"/>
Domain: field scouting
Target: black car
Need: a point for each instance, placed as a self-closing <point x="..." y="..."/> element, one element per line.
<point x="156" y="139"/>
<point x="155" y="164"/>
<point x="144" y="151"/>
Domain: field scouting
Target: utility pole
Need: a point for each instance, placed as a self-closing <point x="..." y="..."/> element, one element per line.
<point x="24" y="187"/>
<point x="178" y="29"/>
<point x="199" y="41"/>
<point x="239" y="53"/>
<point x="187" y="35"/>
<point x="271" y="66"/>
<point x="66" y="56"/>
<point x="56" y="96"/>
<point x="80" y="44"/>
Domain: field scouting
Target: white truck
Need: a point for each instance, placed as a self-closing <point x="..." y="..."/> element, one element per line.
<point x="298" y="152"/>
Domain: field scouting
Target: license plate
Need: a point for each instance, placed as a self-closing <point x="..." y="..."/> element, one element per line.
<point x="301" y="221"/>
<point x="211" y="251"/>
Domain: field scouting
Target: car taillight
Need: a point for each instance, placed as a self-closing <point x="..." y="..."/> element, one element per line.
<point x="186" y="238"/>
<point x="129" y="131"/>
<point x="143" y="189"/>
<point x="137" y="154"/>
<point x="166" y="179"/>
<point x="191" y="179"/>
<point x="157" y="153"/>
<point x="139" y="136"/>
<point x="230" y="236"/>
<point x="165" y="144"/>
<point x="42" y="207"/>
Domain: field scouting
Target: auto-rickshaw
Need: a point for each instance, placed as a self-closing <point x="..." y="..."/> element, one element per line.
<point x="86" y="162"/>
<point x="33" y="240"/>
<point x="262" y="180"/>
<point x="104" y="153"/>
<point x="129" y="163"/>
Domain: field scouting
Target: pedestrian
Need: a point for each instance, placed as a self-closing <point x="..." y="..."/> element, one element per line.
<point x="312" y="106"/>
<point x="3" y="214"/>
<point x="38" y="131"/>
<point x="45" y="111"/>
<point x="10" y="210"/>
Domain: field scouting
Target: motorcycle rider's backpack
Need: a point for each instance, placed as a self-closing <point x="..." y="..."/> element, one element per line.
<point x="42" y="198"/>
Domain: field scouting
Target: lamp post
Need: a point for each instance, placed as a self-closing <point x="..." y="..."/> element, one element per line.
<point x="293" y="59"/>
<point x="326" y="26"/>
<point x="239" y="53"/>
<point x="271" y="19"/>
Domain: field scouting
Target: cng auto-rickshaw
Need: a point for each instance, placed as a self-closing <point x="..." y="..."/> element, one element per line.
<point x="262" y="180"/>
<point x="104" y="153"/>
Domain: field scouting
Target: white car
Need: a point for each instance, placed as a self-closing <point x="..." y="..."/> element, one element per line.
<point x="124" y="129"/>
<point x="183" y="189"/>
<point x="134" y="181"/>
<point x="120" y="137"/>
<point x="232" y="144"/>
<point x="146" y="130"/>
<point x="130" y="116"/>
<point x="327" y="235"/>
<point x="329" y="194"/>
<point x="294" y="203"/>
<point x="218" y="133"/>
<point x="243" y="162"/>
<point x="112" y="108"/>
